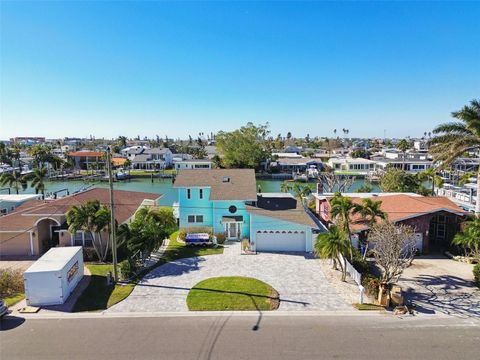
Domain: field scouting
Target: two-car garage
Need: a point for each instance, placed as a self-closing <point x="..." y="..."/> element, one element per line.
<point x="280" y="240"/>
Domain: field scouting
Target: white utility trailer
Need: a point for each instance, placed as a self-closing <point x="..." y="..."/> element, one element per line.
<point x="51" y="279"/>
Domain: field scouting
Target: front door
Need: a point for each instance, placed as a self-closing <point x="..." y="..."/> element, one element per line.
<point x="233" y="230"/>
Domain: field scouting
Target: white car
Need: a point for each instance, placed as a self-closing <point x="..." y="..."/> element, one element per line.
<point x="3" y="308"/>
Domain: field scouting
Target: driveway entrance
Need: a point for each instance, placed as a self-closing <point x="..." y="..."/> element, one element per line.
<point x="298" y="279"/>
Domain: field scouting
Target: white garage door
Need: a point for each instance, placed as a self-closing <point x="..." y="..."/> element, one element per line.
<point x="280" y="240"/>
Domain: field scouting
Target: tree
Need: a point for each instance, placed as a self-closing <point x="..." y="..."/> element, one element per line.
<point x="394" y="250"/>
<point x="13" y="179"/>
<point x="94" y="218"/>
<point x="359" y="153"/>
<point x="285" y="187"/>
<point x="469" y="238"/>
<point x="365" y="188"/>
<point x="301" y="191"/>
<point x="41" y="154"/>
<point x="341" y="208"/>
<point x="370" y="211"/>
<point x="431" y="175"/>
<point x="403" y="146"/>
<point x="37" y="178"/>
<point x="122" y="141"/>
<point x="245" y="147"/>
<point x="396" y="180"/>
<point x="331" y="245"/>
<point x="149" y="228"/>
<point x="217" y="161"/>
<point x="453" y="139"/>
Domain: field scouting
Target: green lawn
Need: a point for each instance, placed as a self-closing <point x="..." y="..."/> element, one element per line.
<point x="368" y="307"/>
<point x="99" y="296"/>
<point x="12" y="300"/>
<point x="232" y="293"/>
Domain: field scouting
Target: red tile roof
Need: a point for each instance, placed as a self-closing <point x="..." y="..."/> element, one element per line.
<point x="402" y="207"/>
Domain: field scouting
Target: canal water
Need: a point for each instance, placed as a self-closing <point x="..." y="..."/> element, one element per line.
<point x="158" y="186"/>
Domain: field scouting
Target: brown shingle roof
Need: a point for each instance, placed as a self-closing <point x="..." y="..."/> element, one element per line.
<point x="298" y="215"/>
<point x="25" y="216"/>
<point x="241" y="184"/>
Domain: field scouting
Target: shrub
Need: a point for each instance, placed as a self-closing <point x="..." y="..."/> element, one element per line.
<point x="360" y="264"/>
<point x="476" y="274"/>
<point x="220" y="238"/>
<point x="127" y="269"/>
<point x="11" y="282"/>
<point x="182" y="234"/>
<point x="89" y="254"/>
<point x="371" y="284"/>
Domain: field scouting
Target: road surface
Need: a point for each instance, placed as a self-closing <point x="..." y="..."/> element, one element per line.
<point x="240" y="337"/>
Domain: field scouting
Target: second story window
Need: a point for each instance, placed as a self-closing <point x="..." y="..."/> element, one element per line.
<point x="189" y="193"/>
<point x="200" y="193"/>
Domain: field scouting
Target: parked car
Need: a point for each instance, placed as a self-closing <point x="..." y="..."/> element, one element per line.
<point x="3" y="308"/>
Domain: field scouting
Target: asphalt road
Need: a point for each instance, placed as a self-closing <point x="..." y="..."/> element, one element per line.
<point x="240" y="337"/>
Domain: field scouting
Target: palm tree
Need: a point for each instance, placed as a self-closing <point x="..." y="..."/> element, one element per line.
<point x="122" y="141"/>
<point x="285" y="187"/>
<point x="94" y="218"/>
<point x="341" y="208"/>
<point x="453" y="139"/>
<point x="301" y="191"/>
<point x="13" y="179"/>
<point x="370" y="210"/>
<point x="431" y="175"/>
<point x="331" y="245"/>
<point x="38" y="177"/>
<point x="403" y="146"/>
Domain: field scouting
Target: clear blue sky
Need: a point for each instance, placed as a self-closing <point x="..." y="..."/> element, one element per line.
<point x="147" y="68"/>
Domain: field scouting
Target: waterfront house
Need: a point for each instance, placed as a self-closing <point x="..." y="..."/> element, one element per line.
<point x="86" y="160"/>
<point x="351" y="166"/>
<point x="193" y="164"/>
<point x="226" y="201"/>
<point x="37" y="225"/>
<point x="155" y="158"/>
<point x="435" y="219"/>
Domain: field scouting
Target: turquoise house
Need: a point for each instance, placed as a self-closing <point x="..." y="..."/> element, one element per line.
<point x="227" y="201"/>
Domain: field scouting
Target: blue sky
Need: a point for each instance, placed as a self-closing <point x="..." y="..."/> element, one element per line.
<point x="174" y="68"/>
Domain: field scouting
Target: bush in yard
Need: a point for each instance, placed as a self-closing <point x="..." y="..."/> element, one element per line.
<point x="89" y="254"/>
<point x="11" y="282"/>
<point x="182" y="234"/>
<point x="371" y="284"/>
<point x="359" y="263"/>
<point x="220" y="238"/>
<point x="127" y="269"/>
<point x="476" y="274"/>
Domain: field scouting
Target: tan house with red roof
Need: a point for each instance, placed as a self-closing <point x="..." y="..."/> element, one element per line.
<point x="38" y="225"/>
<point x="435" y="219"/>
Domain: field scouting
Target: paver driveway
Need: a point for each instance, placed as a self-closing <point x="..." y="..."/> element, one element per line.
<point x="437" y="284"/>
<point x="298" y="279"/>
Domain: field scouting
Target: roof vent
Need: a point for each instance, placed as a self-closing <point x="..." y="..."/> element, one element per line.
<point x="226" y="179"/>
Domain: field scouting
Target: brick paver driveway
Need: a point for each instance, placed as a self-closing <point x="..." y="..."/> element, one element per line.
<point x="437" y="284"/>
<point x="298" y="279"/>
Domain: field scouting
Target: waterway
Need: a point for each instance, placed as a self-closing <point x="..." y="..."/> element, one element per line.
<point x="158" y="186"/>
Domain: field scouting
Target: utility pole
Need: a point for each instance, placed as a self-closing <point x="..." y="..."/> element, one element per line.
<point x="113" y="237"/>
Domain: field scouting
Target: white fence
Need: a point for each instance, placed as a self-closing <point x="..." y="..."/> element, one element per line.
<point x="355" y="275"/>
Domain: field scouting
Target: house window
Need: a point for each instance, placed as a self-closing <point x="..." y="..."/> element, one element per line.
<point x="189" y="194"/>
<point x="88" y="239"/>
<point x="200" y="193"/>
<point x="78" y="238"/>
<point x="192" y="219"/>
